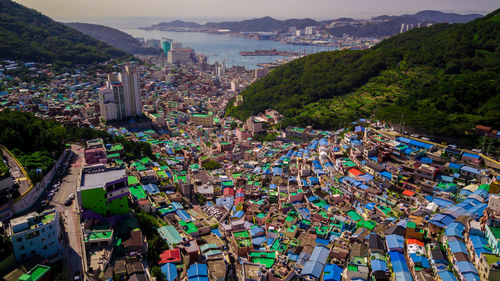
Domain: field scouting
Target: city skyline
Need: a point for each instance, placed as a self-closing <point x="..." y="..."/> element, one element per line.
<point x="150" y="10"/>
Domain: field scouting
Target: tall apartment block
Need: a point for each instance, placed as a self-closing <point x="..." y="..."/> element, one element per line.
<point x="120" y="97"/>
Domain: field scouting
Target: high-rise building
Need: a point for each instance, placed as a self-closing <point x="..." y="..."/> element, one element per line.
<point x="120" y="97"/>
<point x="166" y="45"/>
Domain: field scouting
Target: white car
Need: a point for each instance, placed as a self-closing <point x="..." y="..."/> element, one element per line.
<point x="71" y="196"/>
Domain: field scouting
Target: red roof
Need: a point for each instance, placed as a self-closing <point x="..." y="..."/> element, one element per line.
<point x="143" y="202"/>
<point x="355" y="172"/>
<point x="415" y="241"/>
<point x="408" y="193"/>
<point x="228" y="191"/>
<point x="239" y="200"/>
<point x="170" y="256"/>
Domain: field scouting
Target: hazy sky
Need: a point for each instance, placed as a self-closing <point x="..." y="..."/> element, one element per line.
<point x="203" y="10"/>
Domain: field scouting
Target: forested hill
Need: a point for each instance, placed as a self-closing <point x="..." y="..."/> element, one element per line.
<point x="443" y="79"/>
<point x="26" y="34"/>
<point x="114" y="37"/>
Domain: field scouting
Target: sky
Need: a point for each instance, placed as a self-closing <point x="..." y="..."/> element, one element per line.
<point x="151" y="11"/>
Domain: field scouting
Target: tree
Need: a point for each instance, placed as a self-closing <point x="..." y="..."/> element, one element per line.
<point x="156" y="272"/>
<point x="211" y="165"/>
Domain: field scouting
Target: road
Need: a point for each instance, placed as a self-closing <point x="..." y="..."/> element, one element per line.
<point x="69" y="214"/>
<point x="16" y="171"/>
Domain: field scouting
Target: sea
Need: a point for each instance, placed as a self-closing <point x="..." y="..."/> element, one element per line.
<point x="226" y="48"/>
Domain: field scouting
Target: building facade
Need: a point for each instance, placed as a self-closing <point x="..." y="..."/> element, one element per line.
<point x="120" y="97"/>
<point x="36" y="234"/>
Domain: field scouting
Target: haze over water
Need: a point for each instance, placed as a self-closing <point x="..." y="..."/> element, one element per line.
<point x="226" y="47"/>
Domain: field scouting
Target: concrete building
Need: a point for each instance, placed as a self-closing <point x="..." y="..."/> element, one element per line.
<point x="183" y="55"/>
<point x="120" y="97"/>
<point x="261" y="72"/>
<point x="489" y="267"/>
<point x="35" y="234"/>
<point x="202" y="120"/>
<point x="104" y="193"/>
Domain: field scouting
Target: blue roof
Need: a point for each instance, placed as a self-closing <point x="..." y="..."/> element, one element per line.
<point x="319" y="254"/>
<point x="386" y="174"/>
<point x="259" y="240"/>
<point x="399" y="266"/>
<point x="470" y="155"/>
<point x="238" y="214"/>
<point x="151" y="188"/>
<point x="378" y="265"/>
<point x="457" y="246"/>
<point x="420" y="261"/>
<point x="443" y="203"/>
<point x="394" y="242"/>
<point x="255" y="230"/>
<point x="455" y="229"/>
<point x="197" y="270"/>
<point x="314" y="266"/>
<point x="170" y="271"/>
<point x="479" y="243"/>
<point x="470" y="170"/>
<point x="277" y="171"/>
<point x="314" y="180"/>
<point x="466" y="267"/>
<point x="456" y="166"/>
<point x="447" y="276"/>
<point x="332" y="272"/>
<point x="312" y="269"/>
<point x="183" y="215"/>
<point x="366" y="177"/>
<point x="471" y="277"/>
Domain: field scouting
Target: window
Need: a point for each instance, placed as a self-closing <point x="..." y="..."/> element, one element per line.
<point x="23" y="255"/>
<point x="19" y="239"/>
<point x="21" y="248"/>
<point x="45" y="247"/>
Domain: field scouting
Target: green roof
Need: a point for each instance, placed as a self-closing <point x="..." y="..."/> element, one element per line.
<point x="138" y="192"/>
<point x="96" y="235"/>
<point x="132" y="180"/>
<point x="353" y="215"/>
<point x="189" y="227"/>
<point x="36" y="273"/>
<point x="241" y="234"/>
<point x="170" y="234"/>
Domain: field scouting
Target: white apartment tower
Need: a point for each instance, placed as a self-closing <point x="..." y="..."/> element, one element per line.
<point x="120" y="98"/>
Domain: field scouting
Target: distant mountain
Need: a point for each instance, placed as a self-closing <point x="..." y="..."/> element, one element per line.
<point x="265" y="24"/>
<point x="29" y="35"/>
<point x="261" y="24"/>
<point x="175" y="23"/>
<point x="384" y="26"/>
<point x="381" y="26"/>
<point x="437" y="16"/>
<point x="443" y="80"/>
<point x="114" y="37"/>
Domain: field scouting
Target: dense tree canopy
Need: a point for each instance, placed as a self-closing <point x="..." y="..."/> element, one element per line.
<point x="26" y="34"/>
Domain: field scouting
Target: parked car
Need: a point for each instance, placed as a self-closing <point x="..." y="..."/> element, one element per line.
<point x="71" y="196"/>
<point x="44" y="203"/>
<point x="76" y="276"/>
<point x="68" y="202"/>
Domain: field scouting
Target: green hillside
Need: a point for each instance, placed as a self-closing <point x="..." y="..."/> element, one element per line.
<point x="26" y="34"/>
<point x="115" y="38"/>
<point x="443" y="78"/>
